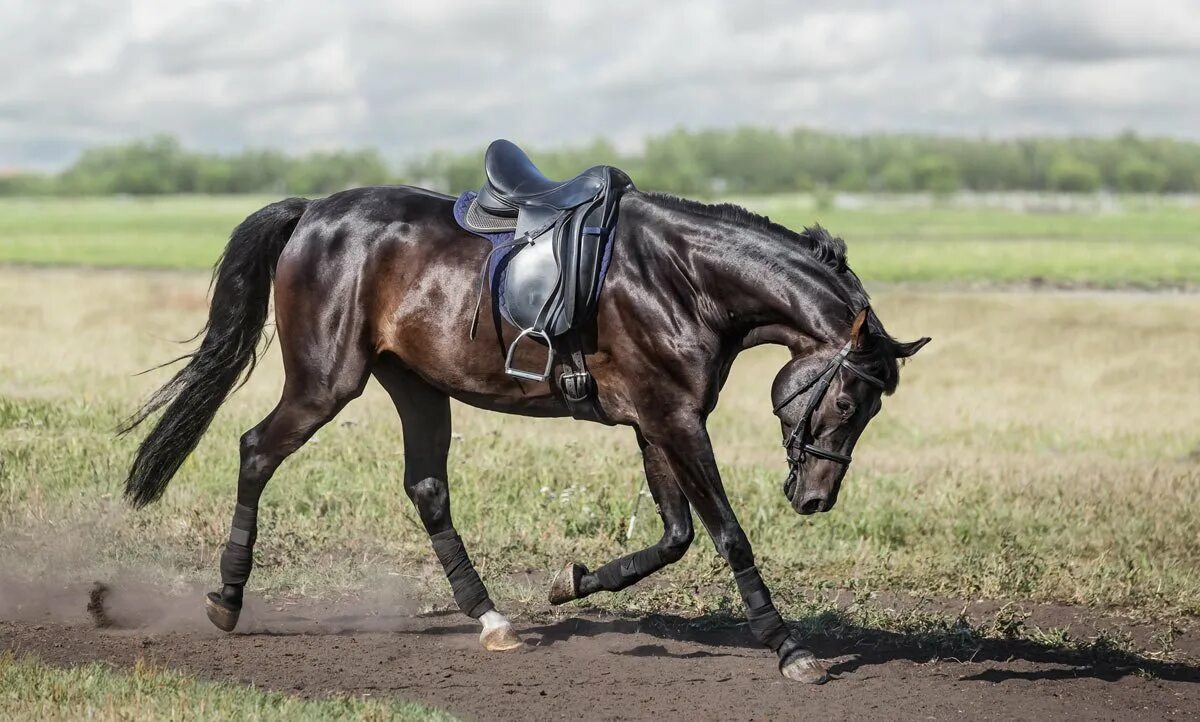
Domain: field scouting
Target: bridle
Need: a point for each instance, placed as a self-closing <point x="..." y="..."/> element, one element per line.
<point x="795" y="443"/>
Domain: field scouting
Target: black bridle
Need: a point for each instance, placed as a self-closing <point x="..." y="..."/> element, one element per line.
<point x="796" y="442"/>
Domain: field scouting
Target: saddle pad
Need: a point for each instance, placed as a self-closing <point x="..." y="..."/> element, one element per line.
<point x="472" y="219"/>
<point x="465" y="208"/>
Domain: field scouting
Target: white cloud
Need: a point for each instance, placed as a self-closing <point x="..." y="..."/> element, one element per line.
<point x="410" y="77"/>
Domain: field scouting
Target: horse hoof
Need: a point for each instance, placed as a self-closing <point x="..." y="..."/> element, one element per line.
<point x="802" y="666"/>
<point x="565" y="586"/>
<point x="500" y="639"/>
<point x="225" y="618"/>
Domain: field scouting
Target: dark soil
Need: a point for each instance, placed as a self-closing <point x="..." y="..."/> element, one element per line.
<point x="591" y="666"/>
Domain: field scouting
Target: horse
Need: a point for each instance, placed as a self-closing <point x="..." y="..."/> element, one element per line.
<point x="381" y="282"/>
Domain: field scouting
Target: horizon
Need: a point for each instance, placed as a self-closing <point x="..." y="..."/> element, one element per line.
<point x="636" y="147"/>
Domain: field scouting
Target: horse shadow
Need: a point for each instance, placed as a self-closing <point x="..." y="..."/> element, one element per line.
<point x="848" y="647"/>
<point x="852" y="648"/>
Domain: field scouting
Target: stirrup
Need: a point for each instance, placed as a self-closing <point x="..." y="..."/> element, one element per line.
<point x="529" y="375"/>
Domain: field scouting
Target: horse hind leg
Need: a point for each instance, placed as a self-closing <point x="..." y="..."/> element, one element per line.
<point x="425" y="415"/>
<point x="303" y="409"/>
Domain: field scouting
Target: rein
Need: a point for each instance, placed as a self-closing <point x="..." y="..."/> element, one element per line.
<point x="795" y="443"/>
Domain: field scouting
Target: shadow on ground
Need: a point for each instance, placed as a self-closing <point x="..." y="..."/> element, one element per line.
<point x="853" y="647"/>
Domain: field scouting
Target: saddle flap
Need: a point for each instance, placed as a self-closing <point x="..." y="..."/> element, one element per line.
<point x="531" y="280"/>
<point x="552" y="284"/>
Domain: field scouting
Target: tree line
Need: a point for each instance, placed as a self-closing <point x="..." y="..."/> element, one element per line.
<point x="700" y="163"/>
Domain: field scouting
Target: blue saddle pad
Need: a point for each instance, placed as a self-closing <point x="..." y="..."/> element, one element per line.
<point x="461" y="206"/>
<point x="497" y="262"/>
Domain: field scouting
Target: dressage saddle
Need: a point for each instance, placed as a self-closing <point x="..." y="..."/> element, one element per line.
<point x="513" y="182"/>
<point x="555" y="263"/>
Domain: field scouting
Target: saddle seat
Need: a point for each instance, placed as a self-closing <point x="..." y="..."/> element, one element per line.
<point x="513" y="182"/>
<point x="550" y="274"/>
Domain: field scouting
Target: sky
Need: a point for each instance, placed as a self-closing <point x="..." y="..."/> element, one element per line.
<point x="410" y="77"/>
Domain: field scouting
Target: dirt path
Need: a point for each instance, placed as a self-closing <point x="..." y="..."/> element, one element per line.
<point x="592" y="667"/>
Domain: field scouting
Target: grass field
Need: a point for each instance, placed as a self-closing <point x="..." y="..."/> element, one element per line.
<point x="1020" y="459"/>
<point x="1043" y="448"/>
<point x="31" y="690"/>
<point x="1146" y="243"/>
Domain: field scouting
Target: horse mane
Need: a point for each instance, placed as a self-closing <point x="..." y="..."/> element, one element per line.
<point x="824" y="246"/>
<point x="878" y="358"/>
<point x="828" y="249"/>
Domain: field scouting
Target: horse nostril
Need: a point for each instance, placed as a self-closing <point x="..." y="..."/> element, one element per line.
<point x="813" y="505"/>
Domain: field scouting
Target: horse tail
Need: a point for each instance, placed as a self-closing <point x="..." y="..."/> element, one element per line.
<point x="241" y="290"/>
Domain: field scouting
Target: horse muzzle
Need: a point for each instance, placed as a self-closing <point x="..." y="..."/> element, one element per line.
<point x="806" y="500"/>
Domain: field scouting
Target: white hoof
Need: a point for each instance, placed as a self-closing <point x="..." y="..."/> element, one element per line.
<point x="500" y="639"/>
<point x="498" y="635"/>
<point x="802" y="666"/>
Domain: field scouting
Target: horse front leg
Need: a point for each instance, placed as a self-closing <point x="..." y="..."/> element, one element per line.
<point x="576" y="582"/>
<point x="688" y="452"/>
<point x="425" y="416"/>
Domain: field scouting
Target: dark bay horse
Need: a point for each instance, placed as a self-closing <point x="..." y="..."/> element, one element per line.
<point x="381" y="282"/>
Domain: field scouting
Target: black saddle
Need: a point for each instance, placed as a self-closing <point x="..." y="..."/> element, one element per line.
<point x="514" y="181"/>
<point x="551" y="280"/>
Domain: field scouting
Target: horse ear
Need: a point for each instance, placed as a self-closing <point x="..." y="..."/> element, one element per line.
<point x="904" y="350"/>
<point x="859" y="330"/>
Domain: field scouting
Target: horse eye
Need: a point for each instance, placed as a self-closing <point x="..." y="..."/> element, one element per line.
<point x="845" y="405"/>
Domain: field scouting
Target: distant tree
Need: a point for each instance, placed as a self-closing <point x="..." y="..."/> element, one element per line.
<point x="215" y="175"/>
<point x="154" y="166"/>
<point x="26" y="184"/>
<point x="1071" y="175"/>
<point x="448" y="173"/>
<point x="897" y="176"/>
<point x="802" y="181"/>
<point x="331" y="171"/>
<point x="1140" y="175"/>
<point x="744" y="160"/>
<point x="258" y="171"/>
<point x="854" y="180"/>
<point x="671" y="165"/>
<point x="823" y="156"/>
<point x="937" y="174"/>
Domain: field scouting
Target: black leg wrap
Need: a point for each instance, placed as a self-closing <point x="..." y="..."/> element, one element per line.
<point x="238" y="557"/>
<point x="620" y="573"/>
<point x="469" y="591"/>
<point x="765" y="622"/>
<point x="790" y="645"/>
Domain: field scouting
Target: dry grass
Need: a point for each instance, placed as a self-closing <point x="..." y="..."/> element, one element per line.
<point x="1042" y="448"/>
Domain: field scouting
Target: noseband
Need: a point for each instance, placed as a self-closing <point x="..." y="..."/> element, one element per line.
<point x="795" y="444"/>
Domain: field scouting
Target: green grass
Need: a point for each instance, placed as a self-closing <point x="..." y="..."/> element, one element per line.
<point x="1143" y="243"/>
<point x="1146" y="242"/>
<point x="170" y="232"/>
<point x="30" y="689"/>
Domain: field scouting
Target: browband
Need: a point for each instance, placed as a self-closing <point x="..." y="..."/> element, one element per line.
<point x="837" y="361"/>
<point x="822" y="379"/>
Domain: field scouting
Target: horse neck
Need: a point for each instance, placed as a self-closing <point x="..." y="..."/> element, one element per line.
<point x="755" y="286"/>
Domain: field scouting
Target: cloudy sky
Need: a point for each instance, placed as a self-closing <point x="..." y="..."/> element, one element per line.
<point x="409" y="76"/>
